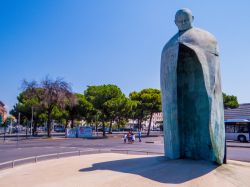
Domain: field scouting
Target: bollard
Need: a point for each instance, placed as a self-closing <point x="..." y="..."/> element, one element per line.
<point x="13" y="164"/>
<point x="35" y="159"/>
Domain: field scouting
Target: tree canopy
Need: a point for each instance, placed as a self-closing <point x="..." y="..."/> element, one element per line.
<point x="230" y="101"/>
<point x="51" y="94"/>
<point x="148" y="102"/>
<point x="99" y="96"/>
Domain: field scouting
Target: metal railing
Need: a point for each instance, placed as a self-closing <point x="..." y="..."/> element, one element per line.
<point x="135" y="151"/>
<point x="35" y="159"/>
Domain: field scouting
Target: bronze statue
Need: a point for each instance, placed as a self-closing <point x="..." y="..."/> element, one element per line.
<point x="192" y="99"/>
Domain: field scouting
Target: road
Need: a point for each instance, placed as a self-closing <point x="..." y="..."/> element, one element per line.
<point x="12" y="150"/>
<point x="33" y="147"/>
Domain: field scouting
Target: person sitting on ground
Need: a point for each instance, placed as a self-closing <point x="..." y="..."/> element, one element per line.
<point x="129" y="137"/>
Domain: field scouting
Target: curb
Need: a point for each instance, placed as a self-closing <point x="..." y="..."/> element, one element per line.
<point x="39" y="158"/>
<point x="239" y="146"/>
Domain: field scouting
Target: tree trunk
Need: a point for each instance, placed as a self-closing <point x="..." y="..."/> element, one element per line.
<point x="149" y="126"/>
<point x="48" y="128"/>
<point x="26" y="131"/>
<point x="139" y="124"/>
<point x="110" y="127"/>
<point x="118" y="123"/>
<point x="103" y="128"/>
<point x="34" y="130"/>
<point x="66" y="124"/>
<point x="96" y="126"/>
<point x="72" y="123"/>
<point x="49" y="124"/>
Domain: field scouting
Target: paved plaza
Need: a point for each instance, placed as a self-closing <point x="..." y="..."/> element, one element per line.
<point x="112" y="169"/>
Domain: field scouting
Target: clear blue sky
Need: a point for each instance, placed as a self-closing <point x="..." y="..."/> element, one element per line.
<point x="92" y="42"/>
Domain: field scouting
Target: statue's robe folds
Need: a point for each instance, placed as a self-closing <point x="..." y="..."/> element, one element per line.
<point x="192" y="99"/>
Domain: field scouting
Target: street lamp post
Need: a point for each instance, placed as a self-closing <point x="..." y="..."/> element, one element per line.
<point x="225" y="151"/>
<point x="4" y="133"/>
<point x="18" y="126"/>
<point x="31" y="124"/>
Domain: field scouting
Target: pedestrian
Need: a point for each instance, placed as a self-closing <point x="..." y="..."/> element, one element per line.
<point x="139" y="135"/>
<point x="133" y="138"/>
<point x="129" y="136"/>
<point x="125" y="138"/>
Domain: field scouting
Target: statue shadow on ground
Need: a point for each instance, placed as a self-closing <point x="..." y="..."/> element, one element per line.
<point x="157" y="168"/>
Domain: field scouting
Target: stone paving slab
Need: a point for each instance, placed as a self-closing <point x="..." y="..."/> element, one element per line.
<point x="112" y="169"/>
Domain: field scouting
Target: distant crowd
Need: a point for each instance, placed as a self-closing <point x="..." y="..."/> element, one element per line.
<point x="130" y="137"/>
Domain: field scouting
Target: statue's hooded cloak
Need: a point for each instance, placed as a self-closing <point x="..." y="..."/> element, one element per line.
<point x="192" y="98"/>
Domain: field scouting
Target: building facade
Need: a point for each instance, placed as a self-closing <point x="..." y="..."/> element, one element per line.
<point x="157" y="120"/>
<point x="156" y="123"/>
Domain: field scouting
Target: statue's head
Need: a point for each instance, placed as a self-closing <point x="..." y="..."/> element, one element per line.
<point x="184" y="19"/>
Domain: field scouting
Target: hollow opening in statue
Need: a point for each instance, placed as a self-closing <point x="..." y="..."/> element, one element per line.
<point x="193" y="107"/>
